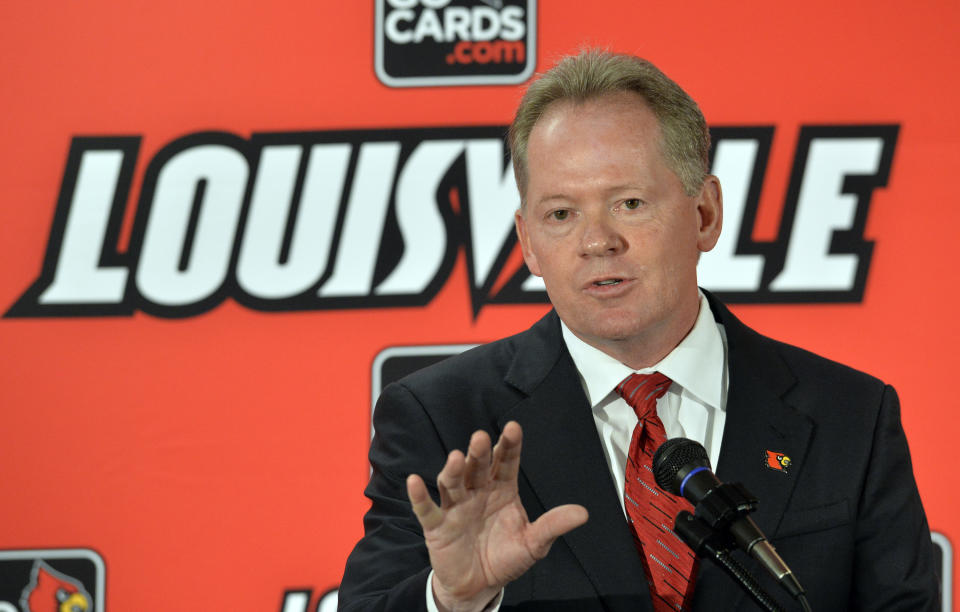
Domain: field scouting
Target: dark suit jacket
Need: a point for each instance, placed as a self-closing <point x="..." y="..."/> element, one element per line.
<point x="846" y="516"/>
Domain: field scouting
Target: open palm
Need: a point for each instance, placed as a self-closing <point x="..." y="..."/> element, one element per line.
<point x="479" y="537"/>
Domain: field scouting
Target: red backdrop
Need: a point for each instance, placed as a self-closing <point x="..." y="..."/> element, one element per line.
<point x="227" y="445"/>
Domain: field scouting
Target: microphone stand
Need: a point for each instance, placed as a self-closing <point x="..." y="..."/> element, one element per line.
<point x="721" y="522"/>
<point x="711" y="544"/>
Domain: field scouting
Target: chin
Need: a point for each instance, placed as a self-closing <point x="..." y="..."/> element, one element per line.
<point x="614" y="327"/>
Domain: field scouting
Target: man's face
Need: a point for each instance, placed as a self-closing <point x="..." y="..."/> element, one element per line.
<point x="610" y="229"/>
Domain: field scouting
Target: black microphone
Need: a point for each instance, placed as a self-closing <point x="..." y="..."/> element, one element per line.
<point x="681" y="466"/>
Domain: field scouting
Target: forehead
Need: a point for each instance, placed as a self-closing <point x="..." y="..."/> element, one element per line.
<point x="616" y="118"/>
<point x="607" y="134"/>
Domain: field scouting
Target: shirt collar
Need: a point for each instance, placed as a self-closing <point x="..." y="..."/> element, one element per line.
<point x="696" y="364"/>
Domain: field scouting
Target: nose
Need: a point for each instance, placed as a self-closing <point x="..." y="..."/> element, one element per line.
<point x="601" y="238"/>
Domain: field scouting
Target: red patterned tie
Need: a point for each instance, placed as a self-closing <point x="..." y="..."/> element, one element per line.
<point x="670" y="565"/>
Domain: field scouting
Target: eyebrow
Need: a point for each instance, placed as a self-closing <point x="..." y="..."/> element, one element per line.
<point x="625" y="187"/>
<point x="552" y="197"/>
<point x="607" y="192"/>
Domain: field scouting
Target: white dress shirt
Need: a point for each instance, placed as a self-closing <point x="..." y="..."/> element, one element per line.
<point x="693" y="407"/>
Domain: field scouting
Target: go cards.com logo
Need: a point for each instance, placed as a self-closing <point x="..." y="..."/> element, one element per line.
<point x="455" y="42"/>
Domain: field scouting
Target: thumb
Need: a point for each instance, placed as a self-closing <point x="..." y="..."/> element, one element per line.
<point x="542" y="533"/>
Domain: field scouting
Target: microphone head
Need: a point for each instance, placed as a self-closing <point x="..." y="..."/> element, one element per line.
<point x="675" y="455"/>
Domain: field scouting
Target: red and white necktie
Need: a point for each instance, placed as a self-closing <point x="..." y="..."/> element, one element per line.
<point x="669" y="564"/>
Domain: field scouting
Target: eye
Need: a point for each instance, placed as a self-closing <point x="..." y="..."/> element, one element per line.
<point x="632" y="203"/>
<point x="561" y="214"/>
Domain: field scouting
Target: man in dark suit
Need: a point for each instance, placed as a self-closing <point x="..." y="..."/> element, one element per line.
<point x="611" y="162"/>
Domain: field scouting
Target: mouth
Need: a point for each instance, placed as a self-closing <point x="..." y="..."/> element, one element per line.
<point x="606" y="283"/>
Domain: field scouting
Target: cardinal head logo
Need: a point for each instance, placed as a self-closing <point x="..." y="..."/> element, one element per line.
<point x="53" y="591"/>
<point x="777" y="461"/>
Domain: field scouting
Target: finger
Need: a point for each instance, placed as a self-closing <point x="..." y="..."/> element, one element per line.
<point x="477" y="470"/>
<point x="450" y="480"/>
<point x="427" y="512"/>
<point x="506" y="454"/>
<point x="545" y="530"/>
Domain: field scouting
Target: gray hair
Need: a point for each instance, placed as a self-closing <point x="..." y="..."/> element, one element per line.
<point x="593" y="73"/>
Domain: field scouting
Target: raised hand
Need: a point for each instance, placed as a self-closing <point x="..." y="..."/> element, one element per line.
<point x="480" y="538"/>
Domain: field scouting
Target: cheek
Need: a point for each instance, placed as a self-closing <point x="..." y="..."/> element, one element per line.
<point x="557" y="274"/>
<point x="550" y="249"/>
<point x="549" y="270"/>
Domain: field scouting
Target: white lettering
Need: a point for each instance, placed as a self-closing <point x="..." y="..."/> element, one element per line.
<point x="295" y="236"/>
<point x="514" y="27"/>
<point x="456" y="23"/>
<point x="160" y="278"/>
<point x="493" y="198"/>
<point x="722" y="269"/>
<point x="296" y="601"/>
<point x="429" y="25"/>
<point x="328" y="603"/>
<point x="534" y="284"/>
<point x="363" y="226"/>
<point x="821" y="210"/>
<point x="259" y="269"/>
<point x="443" y="23"/>
<point x="420" y="222"/>
<point x="78" y="276"/>
<point x="486" y="23"/>
<point x="392" y="27"/>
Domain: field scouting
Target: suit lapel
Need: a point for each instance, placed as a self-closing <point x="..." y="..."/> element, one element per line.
<point x="759" y="418"/>
<point x="563" y="462"/>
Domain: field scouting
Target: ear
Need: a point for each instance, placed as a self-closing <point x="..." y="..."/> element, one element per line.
<point x="523" y="236"/>
<point x="709" y="213"/>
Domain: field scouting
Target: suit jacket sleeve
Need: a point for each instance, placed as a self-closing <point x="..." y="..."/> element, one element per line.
<point x="388" y="568"/>
<point x="893" y="567"/>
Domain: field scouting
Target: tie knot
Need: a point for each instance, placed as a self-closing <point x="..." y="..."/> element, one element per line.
<point x="642" y="391"/>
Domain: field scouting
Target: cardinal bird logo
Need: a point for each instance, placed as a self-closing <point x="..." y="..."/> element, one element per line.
<point x="53" y="591"/>
<point x="776" y="461"/>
